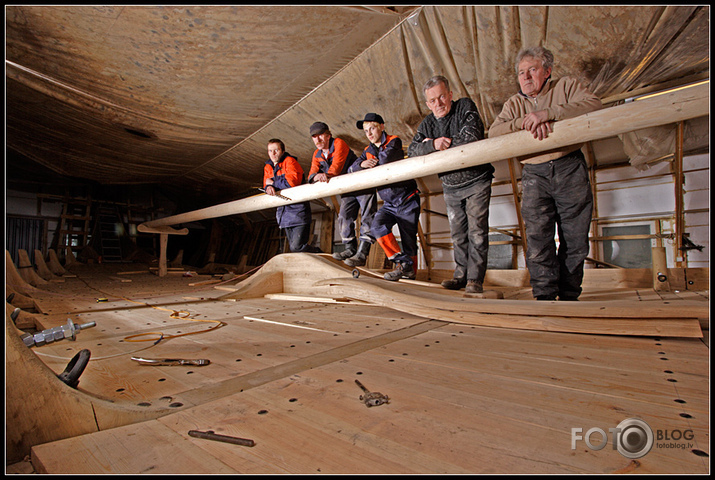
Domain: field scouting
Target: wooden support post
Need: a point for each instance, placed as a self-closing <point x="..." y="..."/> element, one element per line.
<point x="163" y="242"/>
<point x="42" y="269"/>
<point x="164" y="232"/>
<point x="336" y="204"/>
<point x="661" y="280"/>
<point x="54" y="263"/>
<point x="14" y="279"/>
<point x="517" y="203"/>
<point x="426" y="246"/>
<point x="327" y="227"/>
<point x="680" y="256"/>
<point x="591" y="162"/>
<point x="27" y="271"/>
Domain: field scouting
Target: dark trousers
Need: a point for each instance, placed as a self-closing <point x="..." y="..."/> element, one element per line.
<point x="557" y="194"/>
<point x="298" y="238"/>
<point x="350" y="206"/>
<point x="468" y="213"/>
<point x="407" y="219"/>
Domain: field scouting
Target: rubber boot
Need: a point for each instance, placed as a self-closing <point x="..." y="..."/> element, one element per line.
<point x="360" y="258"/>
<point x="403" y="269"/>
<point x="350" y="250"/>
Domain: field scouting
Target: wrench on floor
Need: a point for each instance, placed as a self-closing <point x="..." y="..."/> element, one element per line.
<point x="372" y="399"/>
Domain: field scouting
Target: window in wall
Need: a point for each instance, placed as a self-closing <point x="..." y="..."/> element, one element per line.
<point x="24" y="233"/>
<point x="628" y="253"/>
<point x="500" y="256"/>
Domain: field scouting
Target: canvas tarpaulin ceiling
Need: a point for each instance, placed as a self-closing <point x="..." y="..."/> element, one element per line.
<point x="188" y="96"/>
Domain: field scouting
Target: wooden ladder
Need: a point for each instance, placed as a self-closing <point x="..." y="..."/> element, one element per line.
<point x="109" y="227"/>
<point x="74" y="225"/>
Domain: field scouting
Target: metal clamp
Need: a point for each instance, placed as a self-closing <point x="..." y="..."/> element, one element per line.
<point x="55" y="334"/>
<point x="372" y="399"/>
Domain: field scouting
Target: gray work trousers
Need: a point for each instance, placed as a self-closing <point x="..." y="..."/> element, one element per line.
<point x="557" y="194"/>
<point x="364" y="203"/>
<point x="468" y="213"/>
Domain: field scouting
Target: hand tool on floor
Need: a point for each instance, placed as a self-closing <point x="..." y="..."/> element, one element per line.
<point x="171" y="361"/>
<point x="276" y="195"/>
<point x="55" y="334"/>
<point x="372" y="399"/>
<point x="210" y="435"/>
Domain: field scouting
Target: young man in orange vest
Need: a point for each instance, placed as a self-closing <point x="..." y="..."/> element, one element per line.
<point x="401" y="201"/>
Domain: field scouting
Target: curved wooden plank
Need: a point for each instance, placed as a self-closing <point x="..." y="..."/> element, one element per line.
<point x="13" y="277"/>
<point x="659" y="110"/>
<point x="144" y="228"/>
<point x="40" y="408"/>
<point x="621" y="317"/>
<point x="54" y="263"/>
<point x="417" y="304"/>
<point x="26" y="270"/>
<point x="393" y="294"/>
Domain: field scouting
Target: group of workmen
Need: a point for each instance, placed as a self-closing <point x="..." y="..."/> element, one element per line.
<point x="556" y="191"/>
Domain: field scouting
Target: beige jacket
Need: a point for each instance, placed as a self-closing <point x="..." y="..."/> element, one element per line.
<point x="562" y="98"/>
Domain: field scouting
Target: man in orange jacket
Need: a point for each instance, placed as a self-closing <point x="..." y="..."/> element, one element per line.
<point x="333" y="157"/>
<point x="283" y="171"/>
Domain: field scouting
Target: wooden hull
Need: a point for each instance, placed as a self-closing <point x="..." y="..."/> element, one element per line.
<point x="473" y="386"/>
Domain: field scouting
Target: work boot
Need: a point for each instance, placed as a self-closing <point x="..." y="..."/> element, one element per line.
<point x="360" y="258"/>
<point x="454" y="283"/>
<point x="474" y="286"/>
<point x="402" y="270"/>
<point x="350" y="250"/>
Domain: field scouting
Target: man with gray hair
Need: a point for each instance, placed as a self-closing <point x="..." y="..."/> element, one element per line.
<point x="467" y="191"/>
<point x="556" y="189"/>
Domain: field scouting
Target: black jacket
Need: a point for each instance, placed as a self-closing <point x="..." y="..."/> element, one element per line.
<point x="463" y="125"/>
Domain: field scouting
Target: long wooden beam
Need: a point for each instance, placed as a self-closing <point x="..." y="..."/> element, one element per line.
<point x="663" y="109"/>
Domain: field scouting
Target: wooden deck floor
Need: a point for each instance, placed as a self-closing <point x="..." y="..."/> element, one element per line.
<point x="463" y="398"/>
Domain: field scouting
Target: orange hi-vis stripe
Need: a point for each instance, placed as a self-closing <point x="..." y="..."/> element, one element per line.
<point x="389" y="245"/>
